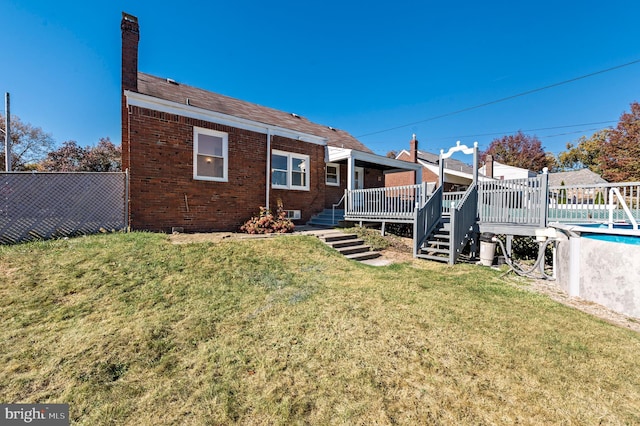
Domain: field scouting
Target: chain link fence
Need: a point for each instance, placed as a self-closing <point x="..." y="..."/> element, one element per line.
<point x="35" y="206"/>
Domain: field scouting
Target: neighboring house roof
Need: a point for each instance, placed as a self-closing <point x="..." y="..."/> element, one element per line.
<point x="505" y="171"/>
<point x="575" y="177"/>
<point x="449" y="163"/>
<point x="451" y="166"/>
<point x="199" y="98"/>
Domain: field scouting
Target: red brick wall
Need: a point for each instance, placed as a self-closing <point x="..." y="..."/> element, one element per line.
<point x="334" y="193"/>
<point x="402" y="178"/>
<point x="308" y="202"/>
<point x="373" y="178"/>
<point x="408" y="178"/>
<point x="161" y="176"/>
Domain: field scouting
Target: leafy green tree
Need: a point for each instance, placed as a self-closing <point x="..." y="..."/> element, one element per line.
<point x="29" y="144"/>
<point x="586" y="153"/>
<point x="519" y="150"/>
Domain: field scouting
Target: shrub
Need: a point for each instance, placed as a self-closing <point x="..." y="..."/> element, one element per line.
<point x="371" y="237"/>
<point x="268" y="223"/>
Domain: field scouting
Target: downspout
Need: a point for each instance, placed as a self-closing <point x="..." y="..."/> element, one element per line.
<point x="268" y="180"/>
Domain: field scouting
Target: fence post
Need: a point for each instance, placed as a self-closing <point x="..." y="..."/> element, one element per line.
<point x="415" y="231"/>
<point x="544" y="198"/>
<point x="127" y="225"/>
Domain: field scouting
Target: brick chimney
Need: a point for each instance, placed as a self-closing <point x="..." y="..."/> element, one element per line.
<point x="130" y="38"/>
<point x="488" y="166"/>
<point x="413" y="150"/>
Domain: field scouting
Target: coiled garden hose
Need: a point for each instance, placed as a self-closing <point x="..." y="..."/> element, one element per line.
<point x="539" y="263"/>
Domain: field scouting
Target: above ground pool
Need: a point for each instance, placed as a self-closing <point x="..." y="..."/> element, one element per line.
<point x="600" y="264"/>
<point x="609" y="234"/>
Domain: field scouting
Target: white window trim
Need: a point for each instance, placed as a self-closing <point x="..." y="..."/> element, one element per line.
<point x="225" y="154"/>
<point x="326" y="174"/>
<point x="290" y="156"/>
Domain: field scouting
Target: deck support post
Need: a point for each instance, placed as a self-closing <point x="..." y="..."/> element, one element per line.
<point x="509" y="245"/>
<point x="382" y="228"/>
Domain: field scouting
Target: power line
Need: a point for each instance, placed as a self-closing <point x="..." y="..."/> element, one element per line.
<point x="528" y="92"/>
<point x="526" y="131"/>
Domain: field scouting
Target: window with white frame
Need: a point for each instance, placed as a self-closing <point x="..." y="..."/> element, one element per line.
<point x="210" y="155"/>
<point x="289" y="170"/>
<point x="332" y="174"/>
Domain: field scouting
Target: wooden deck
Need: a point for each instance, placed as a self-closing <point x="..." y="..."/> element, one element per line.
<point x="512" y="207"/>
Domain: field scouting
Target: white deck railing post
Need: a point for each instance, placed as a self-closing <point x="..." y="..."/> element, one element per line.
<point x="544" y="198"/>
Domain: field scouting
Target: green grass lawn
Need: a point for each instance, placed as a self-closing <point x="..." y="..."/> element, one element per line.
<point x="130" y="329"/>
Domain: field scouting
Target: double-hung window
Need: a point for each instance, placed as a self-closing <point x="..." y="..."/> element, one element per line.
<point x="210" y="155"/>
<point x="289" y="170"/>
<point x="332" y="176"/>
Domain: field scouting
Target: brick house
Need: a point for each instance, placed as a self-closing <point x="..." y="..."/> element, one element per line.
<point x="457" y="175"/>
<point x="202" y="161"/>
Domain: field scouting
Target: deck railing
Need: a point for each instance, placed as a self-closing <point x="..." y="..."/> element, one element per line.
<point x="590" y="203"/>
<point x="426" y="219"/>
<point x="515" y="201"/>
<point x="464" y="217"/>
<point x="394" y="203"/>
<point x="451" y="199"/>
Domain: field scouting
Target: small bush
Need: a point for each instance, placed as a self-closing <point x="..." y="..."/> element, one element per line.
<point x="371" y="237"/>
<point x="268" y="223"/>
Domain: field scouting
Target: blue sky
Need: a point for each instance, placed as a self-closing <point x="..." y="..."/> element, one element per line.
<point x="362" y="66"/>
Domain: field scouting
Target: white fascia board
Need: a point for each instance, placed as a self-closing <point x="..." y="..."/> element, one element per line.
<point x="384" y="161"/>
<point x="338" y="154"/>
<point x="436" y="170"/>
<point x="171" y="107"/>
<point x="404" y="151"/>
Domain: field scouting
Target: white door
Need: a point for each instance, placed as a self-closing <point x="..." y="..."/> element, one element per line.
<point x="358" y="183"/>
<point x="359" y="177"/>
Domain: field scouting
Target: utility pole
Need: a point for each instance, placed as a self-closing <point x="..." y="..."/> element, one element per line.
<point x="7" y="134"/>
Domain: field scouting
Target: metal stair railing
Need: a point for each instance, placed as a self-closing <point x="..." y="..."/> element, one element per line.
<point x="463" y="218"/>
<point x="333" y="207"/>
<point x="612" y="206"/>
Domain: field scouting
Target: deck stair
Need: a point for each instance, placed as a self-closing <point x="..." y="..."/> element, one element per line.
<point x="437" y="246"/>
<point x="349" y="245"/>
<point x="327" y="218"/>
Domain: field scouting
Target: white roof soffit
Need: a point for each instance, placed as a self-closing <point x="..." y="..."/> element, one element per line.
<point x="171" y="107"/>
<point x="339" y="154"/>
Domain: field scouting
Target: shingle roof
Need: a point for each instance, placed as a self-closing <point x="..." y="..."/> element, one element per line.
<point x="161" y="88"/>
<point x="575" y="177"/>
<point x="449" y="163"/>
